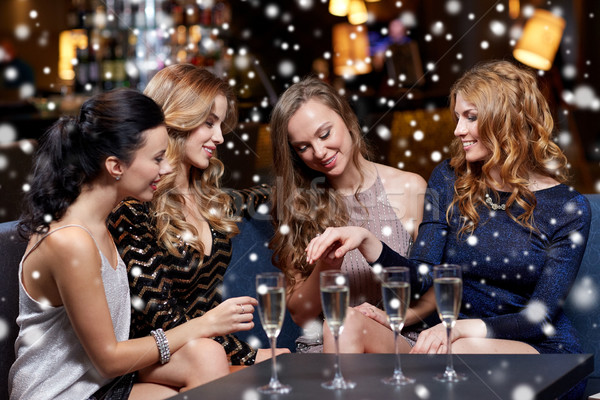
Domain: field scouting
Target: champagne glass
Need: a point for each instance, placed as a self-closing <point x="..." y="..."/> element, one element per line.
<point x="270" y="290"/>
<point x="395" y="289"/>
<point x="447" y="282"/>
<point x="335" y="298"/>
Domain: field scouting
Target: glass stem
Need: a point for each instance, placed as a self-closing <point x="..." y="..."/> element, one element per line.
<point x="274" y="380"/>
<point x="398" y="369"/>
<point x="449" y="364"/>
<point x="338" y="366"/>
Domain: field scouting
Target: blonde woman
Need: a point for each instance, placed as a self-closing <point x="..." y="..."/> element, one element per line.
<point x="324" y="178"/>
<point x="74" y="300"/>
<point x="500" y="209"/>
<point x="178" y="247"/>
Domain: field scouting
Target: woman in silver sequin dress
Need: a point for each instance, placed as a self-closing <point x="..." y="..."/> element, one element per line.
<point x="324" y="178"/>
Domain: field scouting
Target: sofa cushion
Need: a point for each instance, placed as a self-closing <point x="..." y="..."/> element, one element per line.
<point x="250" y="257"/>
<point x="12" y="248"/>
<point x="583" y="303"/>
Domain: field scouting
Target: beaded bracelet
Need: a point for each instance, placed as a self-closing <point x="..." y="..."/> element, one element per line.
<point x="163" y="345"/>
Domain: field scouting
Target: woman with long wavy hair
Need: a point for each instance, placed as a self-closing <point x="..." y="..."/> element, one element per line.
<point x="500" y="209"/>
<point x="74" y="300"/>
<point x="324" y="178"/>
<point x="177" y="247"/>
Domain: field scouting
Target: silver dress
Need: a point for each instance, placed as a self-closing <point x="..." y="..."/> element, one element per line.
<point x="51" y="362"/>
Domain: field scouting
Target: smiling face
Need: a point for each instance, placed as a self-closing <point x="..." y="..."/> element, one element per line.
<point x="320" y="138"/>
<point x="202" y="141"/>
<point x="149" y="164"/>
<point x="467" y="130"/>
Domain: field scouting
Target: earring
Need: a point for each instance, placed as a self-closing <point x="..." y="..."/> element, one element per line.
<point x="118" y="177"/>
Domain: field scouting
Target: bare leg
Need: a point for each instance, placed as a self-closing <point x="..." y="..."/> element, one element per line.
<point x="491" y="346"/>
<point x="198" y="362"/>
<point x="151" y="391"/>
<point x="362" y="335"/>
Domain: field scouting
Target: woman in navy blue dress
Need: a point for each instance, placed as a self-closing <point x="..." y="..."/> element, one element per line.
<point x="500" y="209"/>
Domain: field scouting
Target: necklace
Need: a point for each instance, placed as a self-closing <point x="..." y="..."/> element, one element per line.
<point x="494" y="206"/>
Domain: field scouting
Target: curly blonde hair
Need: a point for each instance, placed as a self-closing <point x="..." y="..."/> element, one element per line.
<point x="303" y="200"/>
<point x="515" y="125"/>
<point x="186" y="94"/>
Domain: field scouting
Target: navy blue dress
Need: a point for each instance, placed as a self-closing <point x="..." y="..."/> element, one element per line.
<point x="514" y="279"/>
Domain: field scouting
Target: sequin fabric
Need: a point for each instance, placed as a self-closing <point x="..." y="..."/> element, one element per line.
<point x="168" y="290"/>
<point x="514" y="279"/>
<point x="51" y="362"/>
<point x="371" y="209"/>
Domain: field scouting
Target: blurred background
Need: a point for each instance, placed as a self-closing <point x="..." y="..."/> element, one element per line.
<point x="394" y="60"/>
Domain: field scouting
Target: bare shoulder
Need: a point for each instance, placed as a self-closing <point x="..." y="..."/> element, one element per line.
<point x="395" y="179"/>
<point x="69" y="244"/>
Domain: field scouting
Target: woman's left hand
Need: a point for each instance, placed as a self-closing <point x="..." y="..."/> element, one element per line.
<point x="376" y="314"/>
<point x="433" y="340"/>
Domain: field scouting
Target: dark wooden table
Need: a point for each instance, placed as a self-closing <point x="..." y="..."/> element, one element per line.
<point x="509" y="377"/>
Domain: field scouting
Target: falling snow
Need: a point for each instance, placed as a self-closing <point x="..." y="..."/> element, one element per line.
<point x="523" y="392"/>
<point x="536" y="311"/>
<point x="4" y="329"/>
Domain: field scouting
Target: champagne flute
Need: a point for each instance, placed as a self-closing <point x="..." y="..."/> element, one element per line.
<point x="335" y="298"/>
<point x="395" y="289"/>
<point x="270" y="290"/>
<point x="447" y="282"/>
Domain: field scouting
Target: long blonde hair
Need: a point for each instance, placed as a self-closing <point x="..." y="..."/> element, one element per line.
<point x="515" y="125"/>
<point x="187" y="94"/>
<point x="303" y="200"/>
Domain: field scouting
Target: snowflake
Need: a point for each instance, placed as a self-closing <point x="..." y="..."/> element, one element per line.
<point x="8" y="133"/>
<point x="472" y="240"/>
<point x="32" y="336"/>
<point x="523" y="392"/>
<point x="251" y="394"/>
<point x="584" y="294"/>
<point x="3" y="329"/>
<point x="137" y="303"/>
<point x="422" y="392"/>
<point x="254" y="342"/>
<point x="536" y="311"/>
<point x="576" y="238"/>
<point x="284" y="229"/>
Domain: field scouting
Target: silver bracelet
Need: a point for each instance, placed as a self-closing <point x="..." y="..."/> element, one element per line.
<point x="163" y="345"/>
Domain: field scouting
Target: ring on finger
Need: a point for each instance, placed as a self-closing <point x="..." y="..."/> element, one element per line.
<point x="242" y="307"/>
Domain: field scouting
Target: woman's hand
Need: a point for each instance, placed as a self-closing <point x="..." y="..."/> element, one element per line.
<point x="376" y="314"/>
<point x="434" y="339"/>
<point x="232" y="315"/>
<point x="334" y="243"/>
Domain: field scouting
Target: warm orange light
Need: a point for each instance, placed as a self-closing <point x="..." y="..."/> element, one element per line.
<point x="357" y="12"/>
<point x="514" y="8"/>
<point x="350" y="50"/>
<point x="68" y="42"/>
<point x="540" y="40"/>
<point x="338" y="8"/>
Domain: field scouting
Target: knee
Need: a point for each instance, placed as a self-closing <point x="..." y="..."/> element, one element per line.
<point x="355" y="323"/>
<point x="202" y="352"/>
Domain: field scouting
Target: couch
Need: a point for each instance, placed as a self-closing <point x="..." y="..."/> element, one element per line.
<point x="251" y="256"/>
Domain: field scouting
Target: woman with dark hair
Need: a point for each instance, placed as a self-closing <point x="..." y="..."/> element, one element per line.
<point x="500" y="209"/>
<point x="177" y="247"/>
<point x="74" y="301"/>
<point x="324" y="178"/>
